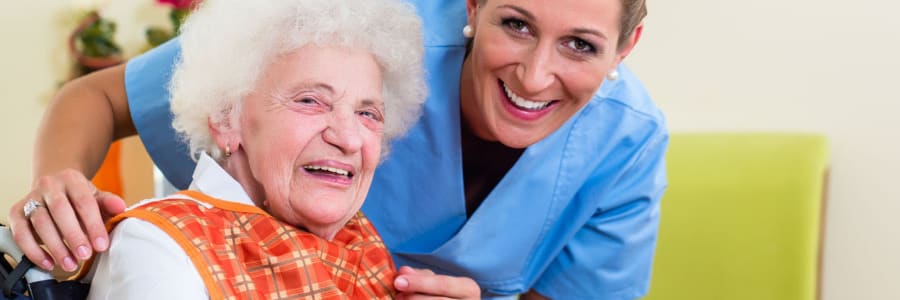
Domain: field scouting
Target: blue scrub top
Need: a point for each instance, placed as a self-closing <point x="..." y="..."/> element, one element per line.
<point x="575" y="218"/>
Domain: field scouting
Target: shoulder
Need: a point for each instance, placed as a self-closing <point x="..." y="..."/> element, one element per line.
<point x="442" y="22"/>
<point x="144" y="216"/>
<point x="630" y="93"/>
<point x="148" y="75"/>
<point x="146" y="80"/>
<point x="619" y="129"/>
<point x="169" y="205"/>
<point x="171" y="215"/>
<point x="131" y="231"/>
<point x="622" y="115"/>
<point x="141" y="258"/>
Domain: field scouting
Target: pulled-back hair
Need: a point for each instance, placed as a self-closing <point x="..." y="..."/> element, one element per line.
<point x="633" y="12"/>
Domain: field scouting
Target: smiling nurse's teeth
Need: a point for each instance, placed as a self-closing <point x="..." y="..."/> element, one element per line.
<point x="524" y="103"/>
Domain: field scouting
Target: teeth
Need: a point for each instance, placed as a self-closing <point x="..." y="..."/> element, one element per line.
<point x="327" y="169"/>
<point x="524" y="103"/>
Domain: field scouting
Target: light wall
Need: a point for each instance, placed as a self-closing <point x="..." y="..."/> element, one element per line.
<point x="829" y="67"/>
<point x="34" y="62"/>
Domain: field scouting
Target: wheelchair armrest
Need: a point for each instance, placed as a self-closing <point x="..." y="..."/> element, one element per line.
<point x="8" y="246"/>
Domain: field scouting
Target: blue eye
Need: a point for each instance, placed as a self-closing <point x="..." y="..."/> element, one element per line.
<point x="370" y="115"/>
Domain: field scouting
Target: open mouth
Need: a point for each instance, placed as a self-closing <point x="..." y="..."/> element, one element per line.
<point x="525" y="104"/>
<point x="328" y="171"/>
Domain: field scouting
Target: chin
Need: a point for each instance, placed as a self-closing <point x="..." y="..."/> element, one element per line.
<point x="516" y="143"/>
<point x="519" y="139"/>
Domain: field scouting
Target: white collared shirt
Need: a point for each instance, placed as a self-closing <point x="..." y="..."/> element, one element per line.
<point x="143" y="262"/>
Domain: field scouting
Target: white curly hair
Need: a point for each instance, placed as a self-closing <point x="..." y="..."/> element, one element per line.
<point x="226" y="45"/>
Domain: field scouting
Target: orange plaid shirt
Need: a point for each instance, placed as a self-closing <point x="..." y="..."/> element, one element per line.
<point x="241" y="252"/>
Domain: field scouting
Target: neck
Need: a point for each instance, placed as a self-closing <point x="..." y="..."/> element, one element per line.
<point x="469" y="111"/>
<point x="237" y="167"/>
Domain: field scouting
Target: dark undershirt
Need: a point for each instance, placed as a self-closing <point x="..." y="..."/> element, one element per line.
<point x="484" y="164"/>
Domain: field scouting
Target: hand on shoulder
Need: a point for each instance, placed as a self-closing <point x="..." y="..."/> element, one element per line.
<point x="66" y="213"/>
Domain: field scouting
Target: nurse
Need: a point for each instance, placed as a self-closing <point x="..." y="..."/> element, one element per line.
<point x="523" y="175"/>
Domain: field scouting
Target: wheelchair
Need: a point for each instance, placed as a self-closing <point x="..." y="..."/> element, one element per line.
<point x="21" y="280"/>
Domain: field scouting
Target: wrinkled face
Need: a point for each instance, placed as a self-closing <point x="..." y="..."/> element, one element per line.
<point x="535" y="63"/>
<point x="311" y="131"/>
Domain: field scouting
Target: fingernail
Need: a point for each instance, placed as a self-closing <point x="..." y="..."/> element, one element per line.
<point x="401" y="283"/>
<point x="69" y="264"/>
<point x="83" y="252"/>
<point x="47" y="264"/>
<point x="100" y="244"/>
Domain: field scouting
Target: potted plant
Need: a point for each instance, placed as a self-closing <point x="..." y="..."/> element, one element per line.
<point x="92" y="46"/>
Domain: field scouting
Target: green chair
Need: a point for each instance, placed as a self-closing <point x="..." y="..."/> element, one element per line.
<point x="741" y="218"/>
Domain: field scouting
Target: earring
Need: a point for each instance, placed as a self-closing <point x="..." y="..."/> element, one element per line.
<point x="227" y="151"/>
<point x="613" y="75"/>
<point x="468" y="32"/>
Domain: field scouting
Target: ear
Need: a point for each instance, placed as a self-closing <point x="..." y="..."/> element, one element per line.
<point x="225" y="132"/>
<point x="624" y="50"/>
<point x="471" y="9"/>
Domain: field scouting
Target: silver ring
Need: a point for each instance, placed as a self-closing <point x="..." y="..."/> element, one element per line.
<point x="31" y="206"/>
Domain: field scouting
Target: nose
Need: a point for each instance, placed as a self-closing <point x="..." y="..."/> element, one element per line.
<point x="535" y="72"/>
<point x="343" y="132"/>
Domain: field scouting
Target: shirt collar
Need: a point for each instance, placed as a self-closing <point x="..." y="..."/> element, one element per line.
<point x="211" y="179"/>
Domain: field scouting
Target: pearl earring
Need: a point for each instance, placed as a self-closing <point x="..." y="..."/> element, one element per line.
<point x="613" y="75"/>
<point x="227" y="151"/>
<point x="468" y="32"/>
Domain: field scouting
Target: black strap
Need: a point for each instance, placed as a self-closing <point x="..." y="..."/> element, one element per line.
<point x="53" y="290"/>
<point x="5" y="268"/>
<point x="15" y="282"/>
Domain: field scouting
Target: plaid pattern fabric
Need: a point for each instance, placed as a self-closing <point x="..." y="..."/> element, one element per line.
<point x="243" y="253"/>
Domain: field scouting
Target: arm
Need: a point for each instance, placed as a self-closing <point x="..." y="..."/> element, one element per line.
<point x="86" y="116"/>
<point x="624" y="233"/>
<point x="78" y="127"/>
<point x="83" y="119"/>
<point x="143" y="262"/>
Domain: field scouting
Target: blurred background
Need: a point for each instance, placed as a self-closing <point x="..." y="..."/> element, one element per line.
<point x="815" y="66"/>
<point x="820" y="66"/>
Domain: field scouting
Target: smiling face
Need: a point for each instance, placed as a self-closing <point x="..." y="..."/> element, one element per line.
<point x="535" y="63"/>
<point x="310" y="137"/>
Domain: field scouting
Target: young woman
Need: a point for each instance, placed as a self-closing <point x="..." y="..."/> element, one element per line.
<point x="523" y="174"/>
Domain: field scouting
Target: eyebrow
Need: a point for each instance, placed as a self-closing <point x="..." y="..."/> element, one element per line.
<point x="576" y="31"/>
<point x="330" y="90"/>
<point x="590" y="32"/>
<point x="518" y="9"/>
<point x="372" y="102"/>
<point x="316" y="86"/>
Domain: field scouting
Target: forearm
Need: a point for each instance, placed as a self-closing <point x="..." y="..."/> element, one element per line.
<point x="86" y="115"/>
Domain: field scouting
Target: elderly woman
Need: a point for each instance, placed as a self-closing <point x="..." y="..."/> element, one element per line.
<point x="289" y="117"/>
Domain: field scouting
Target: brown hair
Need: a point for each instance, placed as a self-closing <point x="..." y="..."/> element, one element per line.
<point x="633" y="12"/>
